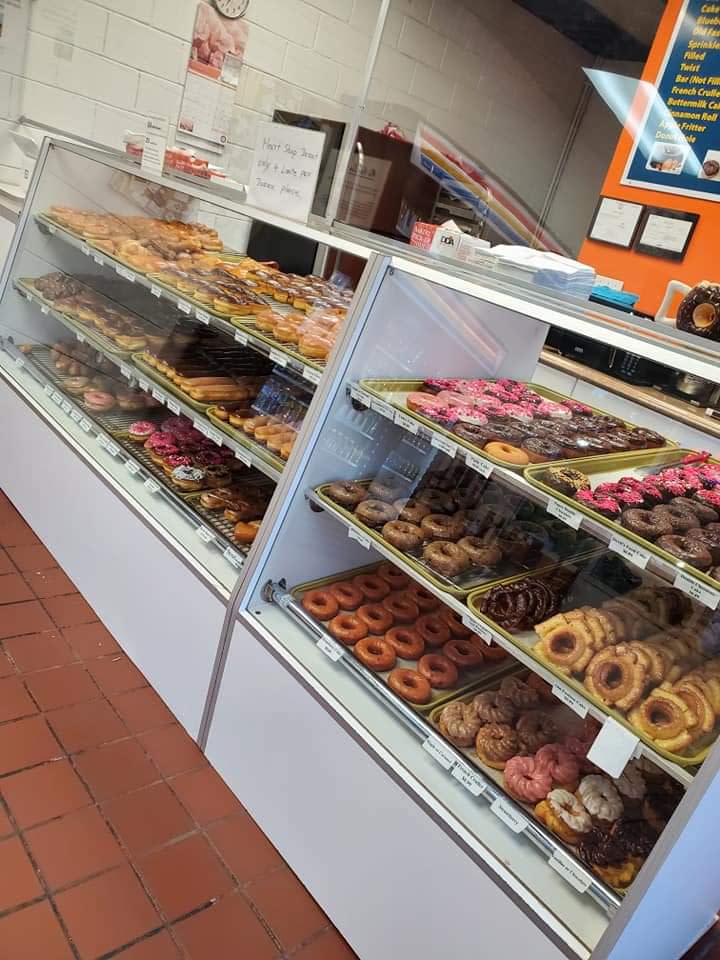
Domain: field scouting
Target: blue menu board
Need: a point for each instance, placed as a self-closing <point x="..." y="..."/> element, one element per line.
<point x="677" y="149"/>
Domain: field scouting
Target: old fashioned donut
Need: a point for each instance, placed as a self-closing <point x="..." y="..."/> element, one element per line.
<point x="375" y="653"/>
<point x="406" y="643"/>
<point x="376" y="617"/>
<point x="320" y="604"/>
<point x="410" y="685"/>
<point x="347" y="493"/>
<point x="374" y="588"/>
<point x="519" y="693"/>
<point x="616" y="677"/>
<point x="646" y="523"/>
<point x="568" y="647"/>
<point x="492" y="707"/>
<point x="695" y="695"/>
<point x="463" y="654"/>
<point x="433" y="630"/>
<point x="600" y="798"/>
<point x="441" y="672"/>
<point x="425" y="600"/>
<point x="526" y="781"/>
<point x="395" y="577"/>
<point x="402" y="608"/>
<point x="495" y="744"/>
<point x="666" y="718"/>
<point x="681" y="519"/>
<point x="535" y="728"/>
<point x="459" y="723"/>
<point x="403" y="535"/>
<point x="507" y="453"/>
<point x="480" y="553"/>
<point x="446" y="558"/>
<point x="690" y="549"/>
<point x="347" y="595"/>
<point x="438" y="526"/>
<point x="457" y="628"/>
<point x="411" y="510"/>
<point x="375" y="513"/>
<point x="348" y="628"/>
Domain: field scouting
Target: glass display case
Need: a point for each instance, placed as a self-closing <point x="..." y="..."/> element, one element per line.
<point x="508" y="599"/>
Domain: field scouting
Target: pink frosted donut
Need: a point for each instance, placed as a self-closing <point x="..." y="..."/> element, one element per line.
<point x="427" y="405"/>
<point x="526" y="781"/>
<point x="518" y="411"/>
<point x="559" y="763"/>
<point x="548" y="408"/>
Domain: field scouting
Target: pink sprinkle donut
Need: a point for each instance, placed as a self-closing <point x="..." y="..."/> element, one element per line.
<point x="559" y="763"/>
<point x="557" y="411"/>
<point x="526" y="781"/>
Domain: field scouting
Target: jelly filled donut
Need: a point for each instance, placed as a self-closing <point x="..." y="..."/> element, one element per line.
<point x="320" y="604"/>
<point x="438" y="670"/>
<point x="410" y="685"/>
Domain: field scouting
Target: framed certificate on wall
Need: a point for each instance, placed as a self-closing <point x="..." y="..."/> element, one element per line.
<point x="615" y="222"/>
<point x="665" y="233"/>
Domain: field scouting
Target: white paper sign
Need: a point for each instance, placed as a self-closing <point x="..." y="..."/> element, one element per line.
<point x="285" y="168"/>
<point x="612" y="748"/>
<point x="564" y="512"/>
<point x="439" y="751"/>
<point x="472" y="781"/>
<point x="509" y="815"/>
<point x="569" y="871"/>
<point x="156" y="133"/>
<point x="629" y="551"/>
<point x="708" y="596"/>
<point x="570" y="699"/>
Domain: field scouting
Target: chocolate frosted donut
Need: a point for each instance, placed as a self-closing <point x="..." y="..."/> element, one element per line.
<point x="689" y="549"/>
<point x="504" y="433"/>
<point x="438" y="526"/>
<point x="566" y="480"/>
<point x="411" y="510"/>
<point x="475" y="433"/>
<point x="446" y="557"/>
<point x="680" y="519"/>
<point x="710" y="539"/>
<point x="542" y="449"/>
<point x="646" y="523"/>
<point x="699" y="312"/>
<point x="403" y="535"/>
<point x="481" y="553"/>
<point x="702" y="511"/>
<point x="643" y="437"/>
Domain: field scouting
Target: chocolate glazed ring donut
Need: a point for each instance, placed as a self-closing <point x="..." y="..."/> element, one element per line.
<point x="646" y="523"/>
<point x="709" y="538"/>
<point x="680" y="519"/>
<point x="702" y="511"/>
<point x="689" y="549"/>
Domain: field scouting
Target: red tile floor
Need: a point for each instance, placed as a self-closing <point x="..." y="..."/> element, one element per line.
<point x="117" y="838"/>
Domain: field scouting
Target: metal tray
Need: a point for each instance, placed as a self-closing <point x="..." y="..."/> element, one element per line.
<point x="526" y="640"/>
<point x="198" y="304"/>
<point x="460" y="586"/>
<point x="469" y="678"/>
<point x="248" y="325"/>
<point x="241" y="437"/>
<point x="167" y="384"/>
<point x="394" y="392"/>
<point x="216" y="520"/>
<point x="612" y="468"/>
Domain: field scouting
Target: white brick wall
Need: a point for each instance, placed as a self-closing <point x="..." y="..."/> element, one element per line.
<point x="494" y="78"/>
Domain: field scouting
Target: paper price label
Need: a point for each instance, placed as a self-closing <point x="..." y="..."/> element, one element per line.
<point x="277" y="357"/>
<point x="81" y="338"/>
<point x="332" y="650"/>
<point x="112" y="448"/>
<point x="205" y="535"/>
<point x="125" y="274"/>
<point x="472" y="781"/>
<point x="509" y="816"/>
<point x="84" y="248"/>
<point x="49" y="389"/>
<point x="708" y="596"/>
<point x="132" y="467"/>
<point x="357" y="394"/>
<point x="155" y="290"/>
<point x="613" y="747"/>
<point x="234" y="558"/>
<point x="202" y="316"/>
<point x="57" y="397"/>
<point x="143" y="383"/>
<point x="241" y="337"/>
<point x="44" y="308"/>
<point x="201" y="426"/>
<point x="52" y="230"/>
<point x="478" y="627"/>
<point x="556" y="508"/>
<point x="85" y="425"/>
<point x="126" y="371"/>
<point x="312" y="375"/>
<point x="629" y="551"/>
<point x="243" y="457"/>
<point x="75" y="416"/>
<point x="439" y="751"/>
<point x="442" y="443"/>
<point x="571" y="873"/>
<point x="151" y="485"/>
<point x="183" y="306"/>
<point x="215" y="436"/>
<point x="100" y="261"/>
<point x="361" y="537"/>
<point x="158" y="395"/>
<point x="570" y="699"/>
<point x="384" y="409"/>
<point x="65" y="407"/>
<point x="406" y="422"/>
<point x="479" y="464"/>
<point x="172" y="405"/>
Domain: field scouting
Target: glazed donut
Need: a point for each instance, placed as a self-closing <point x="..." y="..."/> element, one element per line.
<point x="565" y="815"/>
<point x="373" y="588"/>
<point x="446" y="557"/>
<point x="438" y="526"/>
<point x="454" y="621"/>
<point x="375" y="653"/>
<point x="479" y="552"/>
<point x="526" y="781"/>
<point x="406" y="643"/>
<point x="690" y="549"/>
<point x="402" y="608"/>
<point x="459" y="723"/>
<point x="681" y="519"/>
<point x="375" y="513"/>
<point x="520" y="694"/>
<point x="616" y="677"/>
<point x="426" y="601"/>
<point x="403" y="535"/>
<point x="560" y="764"/>
<point x="411" y="510"/>
<point x="646" y="523"/>
<point x="534" y="729"/>
<point x="387" y="490"/>
<point x="463" y="654"/>
<point x="600" y="798"/>
<point x="492" y="707"/>
<point x="396" y="578"/>
<point x="666" y="718"/>
<point x="495" y="744"/>
<point x="348" y="596"/>
<point x="433" y="630"/>
<point x="491" y="651"/>
<point x="376" y="617"/>
<point x="410" y="685"/>
<point x="507" y="453"/>
<point x="438" y="670"/>
<point x="348" y="628"/>
<point x="320" y="604"/>
<point x="347" y="493"/>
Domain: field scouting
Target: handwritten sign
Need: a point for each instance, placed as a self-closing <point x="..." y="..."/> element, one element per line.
<point x="156" y="134"/>
<point x="285" y="168"/>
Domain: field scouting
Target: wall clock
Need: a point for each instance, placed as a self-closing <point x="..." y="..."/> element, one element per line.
<point x="232" y="8"/>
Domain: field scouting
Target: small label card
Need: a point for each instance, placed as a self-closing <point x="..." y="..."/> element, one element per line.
<point x="44" y="308"/>
<point x="439" y="751"/>
<point x="214" y="435"/>
<point x="478" y="627"/>
<point x="569" y="871"/>
<point x="332" y="650"/>
<point x="243" y="457"/>
<point x="156" y="135"/>
<point x="125" y="274"/>
<point x="151" y="485"/>
<point x="184" y="306"/>
<point x="442" y="443"/>
<point x="509" y="815"/>
<point x="127" y="371"/>
<point x="112" y="448"/>
<point x="406" y="422"/>
<point x="202" y="316"/>
<point x="100" y="261"/>
<point x="155" y="290"/>
<point x="472" y="781"/>
<point x="278" y="357"/>
<point x="708" y="596"/>
<point x="285" y="167"/>
<point x="85" y="425"/>
<point x="311" y="375"/>
<point x="479" y="464"/>
<point x="362" y="538"/>
<point x="629" y="551"/>
<point x="207" y="536"/>
<point x="132" y="467"/>
<point x="613" y="747"/>
<point x="234" y="558"/>
<point x="241" y="337"/>
<point x="158" y="395"/>
<point x="564" y="512"/>
<point x="173" y="405"/>
<point x="384" y="409"/>
<point x="570" y="699"/>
